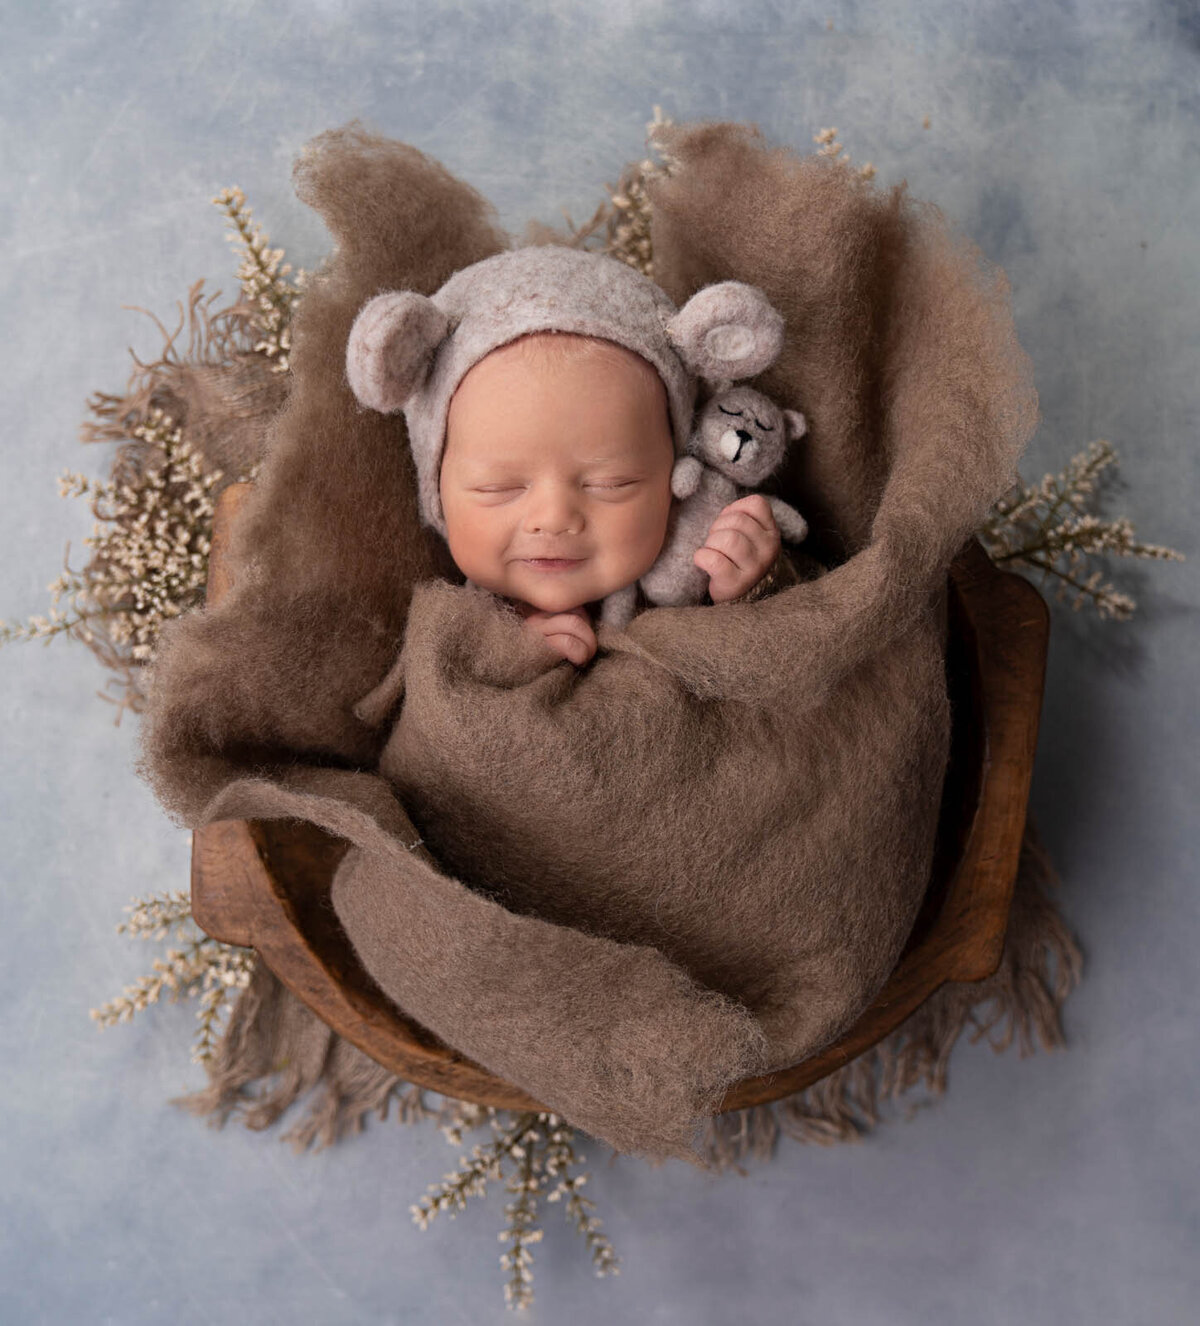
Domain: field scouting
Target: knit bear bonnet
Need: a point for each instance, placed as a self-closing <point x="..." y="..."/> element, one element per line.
<point x="407" y="352"/>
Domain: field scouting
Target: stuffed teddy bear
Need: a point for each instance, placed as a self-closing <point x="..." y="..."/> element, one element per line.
<point x="738" y="441"/>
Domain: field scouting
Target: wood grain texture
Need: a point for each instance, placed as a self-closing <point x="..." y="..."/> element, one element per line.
<point x="266" y="884"/>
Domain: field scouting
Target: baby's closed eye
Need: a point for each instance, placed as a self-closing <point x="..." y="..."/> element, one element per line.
<point x="622" y="486"/>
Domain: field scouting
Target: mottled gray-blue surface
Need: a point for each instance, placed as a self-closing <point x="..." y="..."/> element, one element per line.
<point x="1064" y="139"/>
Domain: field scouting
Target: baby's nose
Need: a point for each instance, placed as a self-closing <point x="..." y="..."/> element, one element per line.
<point x="551" y="526"/>
<point x="554" y="513"/>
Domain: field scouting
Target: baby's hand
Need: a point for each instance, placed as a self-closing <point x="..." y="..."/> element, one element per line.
<point x="568" y="633"/>
<point x="742" y="545"/>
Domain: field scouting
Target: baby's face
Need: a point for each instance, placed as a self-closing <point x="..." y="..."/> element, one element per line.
<point x="550" y="460"/>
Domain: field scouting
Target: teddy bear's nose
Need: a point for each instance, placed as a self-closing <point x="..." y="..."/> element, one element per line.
<point x="732" y="442"/>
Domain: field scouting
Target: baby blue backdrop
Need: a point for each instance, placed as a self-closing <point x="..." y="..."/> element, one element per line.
<point x="1063" y="138"/>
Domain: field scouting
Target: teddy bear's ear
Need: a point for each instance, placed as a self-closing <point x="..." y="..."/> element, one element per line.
<point x="795" y="423"/>
<point x="391" y="346"/>
<point x="727" y="331"/>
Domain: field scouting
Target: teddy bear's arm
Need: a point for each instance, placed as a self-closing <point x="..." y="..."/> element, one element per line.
<point x="791" y="523"/>
<point x="685" y="477"/>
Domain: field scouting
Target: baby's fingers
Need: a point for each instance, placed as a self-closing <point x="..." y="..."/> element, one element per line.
<point x="754" y="506"/>
<point x="725" y="576"/>
<point x="569" y="633"/>
<point x="752" y="519"/>
<point x="571" y="647"/>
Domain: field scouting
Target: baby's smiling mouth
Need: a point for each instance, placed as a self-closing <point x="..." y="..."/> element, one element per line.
<point x="552" y="563"/>
<point x="546" y="555"/>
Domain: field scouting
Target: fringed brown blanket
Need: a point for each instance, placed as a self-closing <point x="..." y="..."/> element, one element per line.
<point x="623" y="887"/>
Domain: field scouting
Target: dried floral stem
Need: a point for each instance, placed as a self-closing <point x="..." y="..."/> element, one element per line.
<point x="205" y="967"/>
<point x="151" y="563"/>
<point x="1046" y="527"/>
<point x="560" y="1157"/>
<point x="472" y="1176"/>
<point x="542" y="1146"/>
<point x="624" y="217"/>
<point x="522" y="1231"/>
<point x="830" y="147"/>
<point x="270" y="297"/>
<point x="153" y="917"/>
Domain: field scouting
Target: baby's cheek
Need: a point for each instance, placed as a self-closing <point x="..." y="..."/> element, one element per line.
<point x="649" y="541"/>
<point x="664" y="508"/>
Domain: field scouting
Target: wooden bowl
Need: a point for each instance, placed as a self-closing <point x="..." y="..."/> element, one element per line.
<point x="265" y="884"/>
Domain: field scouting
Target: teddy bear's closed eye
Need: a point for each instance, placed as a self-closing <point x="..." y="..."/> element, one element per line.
<point x="738" y="414"/>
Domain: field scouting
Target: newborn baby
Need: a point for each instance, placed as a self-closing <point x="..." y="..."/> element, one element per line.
<point x="555" y="485"/>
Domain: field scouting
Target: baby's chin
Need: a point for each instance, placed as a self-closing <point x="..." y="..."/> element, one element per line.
<point x="556" y="602"/>
<point x="557" y="591"/>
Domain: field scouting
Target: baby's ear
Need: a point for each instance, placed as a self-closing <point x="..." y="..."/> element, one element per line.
<point x="727" y="331"/>
<point x="391" y="347"/>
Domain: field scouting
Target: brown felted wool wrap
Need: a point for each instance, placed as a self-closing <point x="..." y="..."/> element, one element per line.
<point x="699" y="856"/>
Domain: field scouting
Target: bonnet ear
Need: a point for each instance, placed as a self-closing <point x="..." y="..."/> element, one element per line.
<point x="727" y="331"/>
<point x="391" y="347"/>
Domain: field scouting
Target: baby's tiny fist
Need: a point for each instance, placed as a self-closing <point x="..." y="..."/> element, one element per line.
<point x="742" y="545"/>
<point x="569" y="634"/>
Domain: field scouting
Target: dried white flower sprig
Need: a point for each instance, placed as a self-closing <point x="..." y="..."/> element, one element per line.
<point x="624" y="216"/>
<point x="1047" y="527"/>
<point x="560" y="1158"/>
<point x="830" y="147"/>
<point x="270" y="296"/>
<point x="522" y="1230"/>
<point x="206" y="967"/>
<point x="151" y="564"/>
<point x="629" y="225"/>
<point x="150" y="549"/>
<point x="471" y="1178"/>
<point x="541" y="1145"/>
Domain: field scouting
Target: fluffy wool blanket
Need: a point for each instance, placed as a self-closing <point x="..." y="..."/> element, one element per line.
<point x="622" y="887"/>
